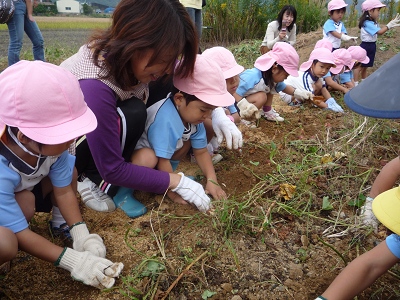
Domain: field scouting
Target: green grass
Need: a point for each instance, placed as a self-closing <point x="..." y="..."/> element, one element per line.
<point x="65" y="23"/>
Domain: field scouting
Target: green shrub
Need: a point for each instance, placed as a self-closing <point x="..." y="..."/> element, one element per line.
<point x="45" y="10"/>
<point x="237" y="20"/>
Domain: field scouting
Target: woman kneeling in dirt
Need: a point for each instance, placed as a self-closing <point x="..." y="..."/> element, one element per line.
<point x="114" y="69"/>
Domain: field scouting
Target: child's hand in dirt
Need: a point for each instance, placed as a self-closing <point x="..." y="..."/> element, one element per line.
<point x="215" y="190"/>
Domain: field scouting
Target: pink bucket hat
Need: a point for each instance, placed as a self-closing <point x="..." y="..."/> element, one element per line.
<point x="358" y="54"/>
<point x="336" y="4"/>
<point x="225" y="59"/>
<point x="282" y="53"/>
<point x="371" y="4"/>
<point x="45" y="102"/>
<point x="206" y="83"/>
<point x="342" y="58"/>
<point x="321" y="54"/>
<point x="324" y="43"/>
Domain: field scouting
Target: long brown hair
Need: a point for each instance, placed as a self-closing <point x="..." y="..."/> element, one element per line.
<point x="163" y="26"/>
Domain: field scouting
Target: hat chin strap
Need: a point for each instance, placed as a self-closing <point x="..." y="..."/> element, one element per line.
<point x="20" y="144"/>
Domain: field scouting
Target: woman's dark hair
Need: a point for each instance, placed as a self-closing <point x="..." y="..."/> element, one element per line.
<point x="364" y="17"/>
<point x="339" y="10"/>
<point x="290" y="9"/>
<point x="267" y="76"/>
<point x="163" y="26"/>
<point x="188" y="97"/>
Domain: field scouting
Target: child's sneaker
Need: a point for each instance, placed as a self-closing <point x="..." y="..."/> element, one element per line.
<point x="62" y="231"/>
<point x="216" y="158"/>
<point x="272" y="115"/>
<point x="95" y="198"/>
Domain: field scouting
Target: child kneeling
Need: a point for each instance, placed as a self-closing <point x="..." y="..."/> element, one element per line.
<point x="176" y="123"/>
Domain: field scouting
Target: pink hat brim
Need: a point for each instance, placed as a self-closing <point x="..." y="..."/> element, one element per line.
<point x="306" y="65"/>
<point x="337" y="69"/>
<point x="62" y="133"/>
<point x="236" y="70"/>
<point x="225" y="99"/>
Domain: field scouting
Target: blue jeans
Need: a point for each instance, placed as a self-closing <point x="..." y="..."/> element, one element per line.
<point x="196" y="16"/>
<point x="16" y="27"/>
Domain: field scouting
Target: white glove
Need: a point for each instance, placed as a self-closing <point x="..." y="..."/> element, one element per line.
<point x="302" y="95"/>
<point x="394" y="22"/>
<point x="89" y="269"/>
<point x="224" y="127"/>
<point x="332" y="105"/>
<point x="346" y="38"/>
<point x="367" y="217"/>
<point x="193" y="192"/>
<point x="248" y="110"/>
<point x="83" y="241"/>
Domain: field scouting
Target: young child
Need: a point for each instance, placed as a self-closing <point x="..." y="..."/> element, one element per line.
<point x="176" y="123"/>
<point x="369" y="32"/>
<point x="365" y="269"/>
<point x="343" y="61"/>
<point x="358" y="57"/>
<point x="258" y="85"/>
<point x="42" y="112"/>
<point x="231" y="70"/>
<point x="334" y="29"/>
<point x="310" y="80"/>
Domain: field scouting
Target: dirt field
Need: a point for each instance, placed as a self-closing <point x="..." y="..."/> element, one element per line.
<point x="258" y="245"/>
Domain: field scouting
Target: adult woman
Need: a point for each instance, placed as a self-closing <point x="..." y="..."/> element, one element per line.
<point x="143" y="43"/>
<point x="283" y="29"/>
<point x="21" y="21"/>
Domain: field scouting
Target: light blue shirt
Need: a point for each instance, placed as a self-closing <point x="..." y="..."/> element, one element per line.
<point x="165" y="133"/>
<point x="13" y="171"/>
<point x="251" y="82"/>
<point x="393" y="243"/>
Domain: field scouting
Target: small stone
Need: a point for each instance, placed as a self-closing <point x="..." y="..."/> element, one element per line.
<point x="227" y="287"/>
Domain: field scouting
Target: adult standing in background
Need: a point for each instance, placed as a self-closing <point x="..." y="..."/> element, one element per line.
<point x="21" y="21"/>
<point x="283" y="29"/>
<point x="194" y="7"/>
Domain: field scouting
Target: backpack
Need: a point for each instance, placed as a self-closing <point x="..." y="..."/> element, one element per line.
<point x="7" y="9"/>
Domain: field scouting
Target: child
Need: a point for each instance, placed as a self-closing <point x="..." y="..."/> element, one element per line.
<point x="43" y="111"/>
<point x="310" y="80"/>
<point x="283" y="29"/>
<point x="365" y="269"/>
<point x="231" y="70"/>
<point x="258" y="85"/>
<point x="176" y="123"/>
<point x="334" y="29"/>
<point x="343" y="61"/>
<point x="370" y="31"/>
<point x="358" y="57"/>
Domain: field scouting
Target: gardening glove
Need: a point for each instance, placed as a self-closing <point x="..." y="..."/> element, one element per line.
<point x="248" y="110"/>
<point x="302" y="95"/>
<point x="332" y="105"/>
<point x="88" y="268"/>
<point x="83" y="241"/>
<point x="394" y="22"/>
<point x="346" y="38"/>
<point x="224" y="127"/>
<point x="367" y="217"/>
<point x="193" y="192"/>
